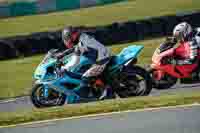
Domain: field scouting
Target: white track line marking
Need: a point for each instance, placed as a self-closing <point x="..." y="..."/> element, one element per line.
<point x="11" y="100"/>
<point x="101" y="114"/>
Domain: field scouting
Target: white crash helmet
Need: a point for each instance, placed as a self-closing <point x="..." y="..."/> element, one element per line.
<point x="182" y="30"/>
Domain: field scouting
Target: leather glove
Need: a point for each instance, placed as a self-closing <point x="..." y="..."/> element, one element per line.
<point x="62" y="72"/>
<point x="171" y="40"/>
<point x="58" y="56"/>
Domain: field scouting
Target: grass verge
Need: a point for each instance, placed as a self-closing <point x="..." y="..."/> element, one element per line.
<point x="98" y="107"/>
<point x="119" y="12"/>
<point x="16" y="75"/>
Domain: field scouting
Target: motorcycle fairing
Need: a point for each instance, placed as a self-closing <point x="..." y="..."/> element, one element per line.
<point x="126" y="55"/>
<point x="41" y="71"/>
<point x="179" y="71"/>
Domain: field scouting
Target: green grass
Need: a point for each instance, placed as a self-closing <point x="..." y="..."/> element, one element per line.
<point x="98" y="107"/>
<point x="102" y="15"/>
<point x="16" y="75"/>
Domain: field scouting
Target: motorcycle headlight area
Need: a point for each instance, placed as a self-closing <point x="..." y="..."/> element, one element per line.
<point x="45" y="75"/>
<point x="50" y="77"/>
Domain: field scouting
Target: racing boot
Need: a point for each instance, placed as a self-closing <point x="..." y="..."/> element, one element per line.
<point x="84" y="90"/>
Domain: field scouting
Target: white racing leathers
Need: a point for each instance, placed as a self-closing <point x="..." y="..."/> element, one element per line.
<point x="194" y="45"/>
<point x="94" y="50"/>
<point x="197" y="36"/>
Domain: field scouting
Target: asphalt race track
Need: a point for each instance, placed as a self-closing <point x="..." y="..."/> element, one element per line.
<point x="24" y="102"/>
<point x="171" y="120"/>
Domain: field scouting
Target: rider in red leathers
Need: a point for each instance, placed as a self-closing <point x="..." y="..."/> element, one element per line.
<point x="183" y="33"/>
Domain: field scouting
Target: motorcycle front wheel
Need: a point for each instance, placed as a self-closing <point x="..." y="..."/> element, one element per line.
<point x="40" y="101"/>
<point x="133" y="81"/>
<point x="165" y="82"/>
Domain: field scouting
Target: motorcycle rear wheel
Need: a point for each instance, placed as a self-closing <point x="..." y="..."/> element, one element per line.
<point x="133" y="81"/>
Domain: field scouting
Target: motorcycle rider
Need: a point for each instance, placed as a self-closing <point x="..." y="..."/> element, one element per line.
<point x="85" y="45"/>
<point x="183" y="32"/>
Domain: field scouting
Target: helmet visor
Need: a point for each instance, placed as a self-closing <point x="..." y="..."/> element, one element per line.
<point x="65" y="38"/>
<point x="178" y="36"/>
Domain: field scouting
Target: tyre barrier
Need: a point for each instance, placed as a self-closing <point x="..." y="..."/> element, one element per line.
<point x="115" y="33"/>
<point x="7" y="50"/>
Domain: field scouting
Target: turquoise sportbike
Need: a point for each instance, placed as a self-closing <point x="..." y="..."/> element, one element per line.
<point x="122" y="77"/>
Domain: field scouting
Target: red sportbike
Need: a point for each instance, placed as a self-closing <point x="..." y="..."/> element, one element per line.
<point x="165" y="74"/>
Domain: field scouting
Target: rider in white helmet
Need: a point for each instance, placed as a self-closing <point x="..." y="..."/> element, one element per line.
<point x="87" y="46"/>
<point x="183" y="32"/>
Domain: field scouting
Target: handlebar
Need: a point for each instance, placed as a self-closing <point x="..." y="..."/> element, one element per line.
<point x="62" y="54"/>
